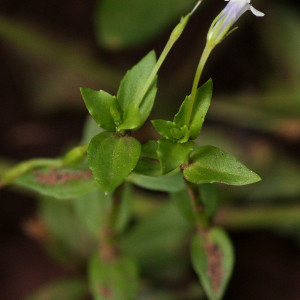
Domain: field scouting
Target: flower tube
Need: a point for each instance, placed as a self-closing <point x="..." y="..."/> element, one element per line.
<point x="230" y="14"/>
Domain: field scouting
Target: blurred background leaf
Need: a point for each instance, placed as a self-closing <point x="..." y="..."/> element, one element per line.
<point x="120" y="26"/>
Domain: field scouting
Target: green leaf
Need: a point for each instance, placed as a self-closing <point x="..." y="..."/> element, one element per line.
<point x="171" y="155"/>
<point x="165" y="128"/>
<point x="125" y="209"/>
<point x="129" y="91"/>
<point x="92" y="211"/>
<point x="213" y="260"/>
<point x="200" y="108"/>
<point x="132" y="117"/>
<point x="117" y="279"/>
<point x="148" y="163"/>
<point x="64" y="289"/>
<point x="99" y="105"/>
<point x="61" y="183"/>
<point x="166" y="183"/>
<point x="65" y="232"/>
<point x="210" y="164"/>
<point x="157" y="242"/>
<point x="112" y="158"/>
<point x="149" y="149"/>
<point x="120" y="26"/>
<point x="148" y="101"/>
<point x="148" y="167"/>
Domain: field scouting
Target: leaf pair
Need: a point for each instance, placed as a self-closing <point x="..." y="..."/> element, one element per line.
<point x="174" y="148"/>
<point x="182" y="129"/>
<point x="129" y="109"/>
<point x="112" y="157"/>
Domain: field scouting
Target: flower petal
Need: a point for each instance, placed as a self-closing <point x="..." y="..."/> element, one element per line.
<point x="256" y="12"/>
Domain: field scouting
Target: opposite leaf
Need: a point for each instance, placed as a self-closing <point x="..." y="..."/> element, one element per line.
<point x="111" y="159"/>
<point x="99" y="105"/>
<point x="200" y="108"/>
<point x="171" y="155"/>
<point x="210" y="164"/>
<point x="213" y="259"/>
<point x="117" y="279"/>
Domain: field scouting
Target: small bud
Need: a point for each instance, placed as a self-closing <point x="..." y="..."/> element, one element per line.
<point x="177" y="31"/>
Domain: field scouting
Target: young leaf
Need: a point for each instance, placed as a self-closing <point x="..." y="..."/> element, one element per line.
<point x="61" y="183"/>
<point x="200" y="108"/>
<point x="92" y="210"/>
<point x="64" y="289"/>
<point x="165" y="128"/>
<point x="133" y="83"/>
<point x="171" y="155"/>
<point x="213" y="259"/>
<point x="99" y="105"/>
<point x="210" y="164"/>
<point x="132" y="118"/>
<point x="117" y="279"/>
<point x="112" y="158"/>
<point x="166" y="183"/>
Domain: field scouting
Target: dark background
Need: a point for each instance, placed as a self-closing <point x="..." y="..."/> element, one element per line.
<point x="42" y="113"/>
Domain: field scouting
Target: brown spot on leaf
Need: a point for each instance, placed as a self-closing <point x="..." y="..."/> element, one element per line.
<point x="58" y="176"/>
<point x="214" y="267"/>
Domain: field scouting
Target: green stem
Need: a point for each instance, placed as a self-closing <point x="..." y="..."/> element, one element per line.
<point x="200" y="218"/>
<point x="108" y="248"/>
<point x="176" y="33"/>
<point x="206" y="52"/>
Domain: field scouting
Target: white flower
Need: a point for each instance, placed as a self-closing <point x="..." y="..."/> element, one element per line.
<point x="230" y="14"/>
